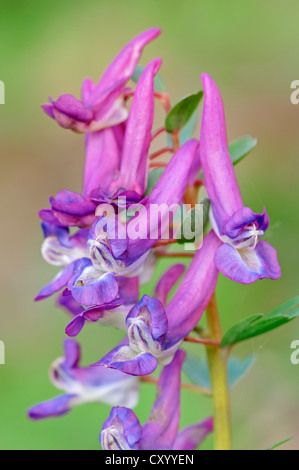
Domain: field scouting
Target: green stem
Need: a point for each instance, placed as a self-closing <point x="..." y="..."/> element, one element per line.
<point x="218" y="371"/>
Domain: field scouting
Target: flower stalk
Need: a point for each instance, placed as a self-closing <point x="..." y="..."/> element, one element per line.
<point x="218" y="371"/>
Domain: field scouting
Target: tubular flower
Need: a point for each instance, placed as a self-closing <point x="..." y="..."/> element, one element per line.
<point x="102" y="104"/>
<point x="154" y="333"/>
<point x="116" y="163"/>
<point x="123" y="431"/>
<point x="91" y="279"/>
<point x="93" y="270"/>
<point x="111" y="314"/>
<point x="115" y="313"/>
<point x="115" y="250"/>
<point x="85" y="385"/>
<point x="242" y="256"/>
<point x="61" y="249"/>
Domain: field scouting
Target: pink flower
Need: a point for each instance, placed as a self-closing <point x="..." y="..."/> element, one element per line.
<point x="102" y="104"/>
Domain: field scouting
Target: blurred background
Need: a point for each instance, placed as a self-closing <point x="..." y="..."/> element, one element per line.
<point x="47" y="48"/>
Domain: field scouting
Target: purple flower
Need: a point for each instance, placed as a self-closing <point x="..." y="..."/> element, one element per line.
<point x="144" y="229"/>
<point x="111" y="314"/>
<point x="61" y="249"/>
<point x="134" y="162"/>
<point x="155" y="333"/>
<point x="116" y="162"/>
<point x="85" y="385"/>
<point x="62" y="279"/>
<point x="69" y="209"/>
<point x="92" y="279"/>
<point x="93" y="271"/>
<point x="102" y="104"/>
<point x="117" y="158"/>
<point x="123" y="431"/>
<point x="167" y="282"/>
<point x="242" y="256"/>
<point x="87" y="274"/>
<point x="112" y="251"/>
<point x="89" y="287"/>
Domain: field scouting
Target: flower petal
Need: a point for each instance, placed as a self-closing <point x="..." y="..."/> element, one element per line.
<point x="192" y="436"/>
<point x="194" y="293"/>
<point x="69" y="209"/>
<point x="247" y="265"/>
<point x="154" y="316"/>
<point x="88" y="290"/>
<point x="69" y="304"/>
<point x="102" y="159"/>
<point x="245" y="216"/>
<point x="195" y="168"/>
<point x="167" y="282"/>
<point x="121" y="431"/>
<point x="72" y="353"/>
<point x="60" y="280"/>
<point x="61" y="249"/>
<point x="160" y="430"/>
<point x="128" y="288"/>
<point x="72" y="203"/>
<point x="167" y="193"/>
<point x="107" y="314"/>
<point x="134" y="162"/>
<point x="75" y="326"/>
<point x="122" y="67"/>
<point x="55" y="407"/>
<point x="70" y="106"/>
<point x="107" y="233"/>
<point x="220" y="181"/>
<point x="48" y="108"/>
<point x="61" y="233"/>
<point x="122" y="358"/>
<point x="87" y="88"/>
<point x="47" y="216"/>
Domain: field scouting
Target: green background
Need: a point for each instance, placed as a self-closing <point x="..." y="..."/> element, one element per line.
<point x="250" y="47"/>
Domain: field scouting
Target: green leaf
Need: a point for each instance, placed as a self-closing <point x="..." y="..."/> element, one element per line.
<point x="238" y="149"/>
<point x="158" y="82"/>
<point x="197" y="370"/>
<point x="153" y="177"/>
<point x="180" y="114"/>
<point x="186" y="132"/>
<point x="258" y="324"/>
<point x="280" y="443"/>
<point x="232" y="335"/>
